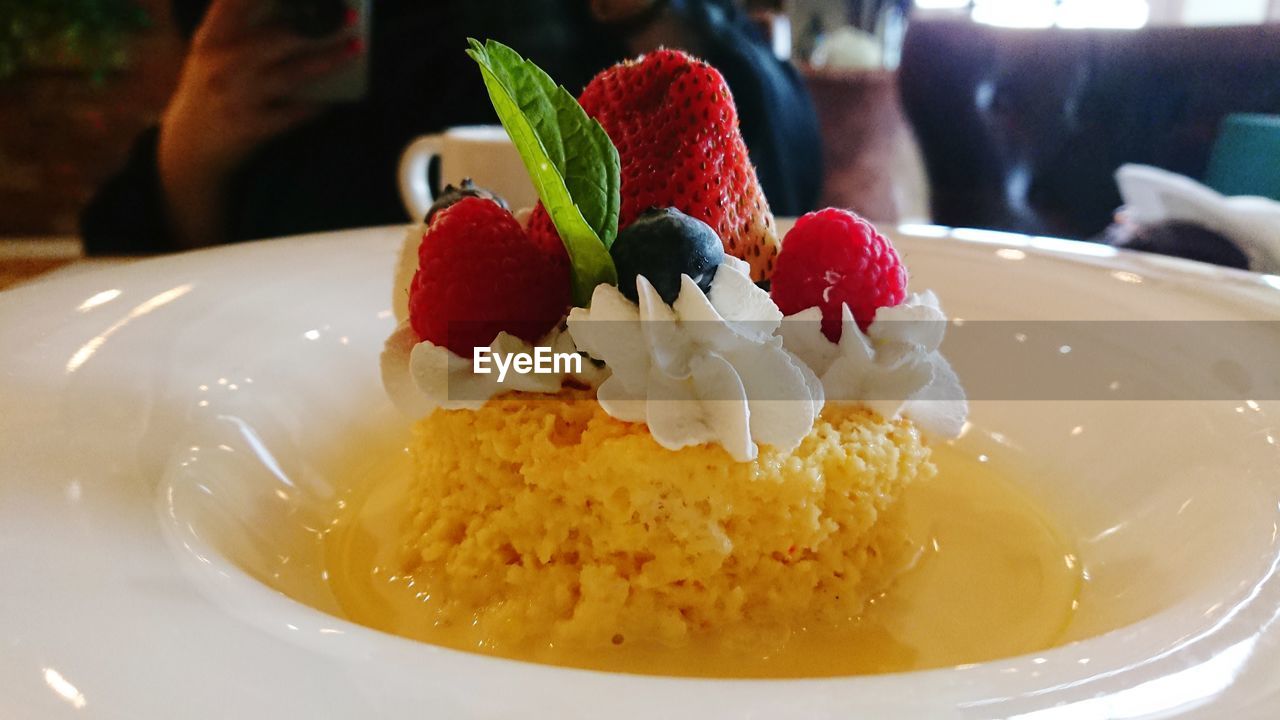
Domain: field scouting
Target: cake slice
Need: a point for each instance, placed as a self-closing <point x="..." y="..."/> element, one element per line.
<point x="720" y="464"/>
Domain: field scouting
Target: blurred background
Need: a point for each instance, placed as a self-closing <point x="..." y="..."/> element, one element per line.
<point x="1001" y="114"/>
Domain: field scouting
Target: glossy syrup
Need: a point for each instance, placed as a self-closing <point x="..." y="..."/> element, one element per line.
<point x="994" y="578"/>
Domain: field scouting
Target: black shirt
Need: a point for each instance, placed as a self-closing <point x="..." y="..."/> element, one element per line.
<point x="338" y="170"/>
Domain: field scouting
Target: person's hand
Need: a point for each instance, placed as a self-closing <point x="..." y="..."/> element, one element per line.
<point x="237" y="89"/>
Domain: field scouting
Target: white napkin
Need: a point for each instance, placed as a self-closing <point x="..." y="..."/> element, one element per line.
<point x="1152" y="195"/>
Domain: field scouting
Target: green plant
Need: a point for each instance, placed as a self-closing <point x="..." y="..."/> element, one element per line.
<point x="87" y="33"/>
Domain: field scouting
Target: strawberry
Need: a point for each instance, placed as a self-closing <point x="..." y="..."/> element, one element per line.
<point x="674" y="123"/>
<point x="831" y="258"/>
<point x="479" y="273"/>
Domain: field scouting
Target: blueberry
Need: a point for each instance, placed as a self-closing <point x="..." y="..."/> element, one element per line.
<point x="453" y="194"/>
<point x="663" y="244"/>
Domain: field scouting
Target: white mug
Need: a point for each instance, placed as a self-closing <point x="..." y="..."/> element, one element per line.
<point x="483" y="153"/>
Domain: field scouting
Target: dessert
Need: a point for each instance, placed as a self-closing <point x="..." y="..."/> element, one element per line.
<point x="554" y="522"/>
<point x="702" y="466"/>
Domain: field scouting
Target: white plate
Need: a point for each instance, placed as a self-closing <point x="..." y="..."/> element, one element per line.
<point x="164" y="425"/>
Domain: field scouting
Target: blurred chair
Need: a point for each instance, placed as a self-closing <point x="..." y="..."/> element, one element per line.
<point x="1023" y="130"/>
<point x="1246" y="156"/>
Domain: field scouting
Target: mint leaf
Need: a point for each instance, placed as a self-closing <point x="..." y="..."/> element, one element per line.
<point x="573" y="164"/>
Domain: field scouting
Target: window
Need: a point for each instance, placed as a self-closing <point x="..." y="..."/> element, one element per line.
<point x="1062" y="13"/>
<point x="1110" y="13"/>
<point x="1224" y="12"/>
<point x="1103" y="13"/>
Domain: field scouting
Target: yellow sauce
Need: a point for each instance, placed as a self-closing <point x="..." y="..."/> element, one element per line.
<point x="993" y="579"/>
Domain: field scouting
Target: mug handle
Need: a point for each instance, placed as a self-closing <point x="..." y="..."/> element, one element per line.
<point x="415" y="187"/>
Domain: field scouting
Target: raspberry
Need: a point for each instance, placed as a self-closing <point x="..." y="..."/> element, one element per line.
<point x="479" y="273"/>
<point x="831" y="258"/>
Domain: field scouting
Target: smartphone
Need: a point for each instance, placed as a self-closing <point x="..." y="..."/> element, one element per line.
<point x="322" y="18"/>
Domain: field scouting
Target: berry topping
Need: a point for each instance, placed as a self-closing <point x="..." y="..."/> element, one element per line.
<point x="479" y="273"/>
<point x="452" y="194"/>
<point x="674" y="123"/>
<point x="663" y="244"/>
<point x="831" y="258"/>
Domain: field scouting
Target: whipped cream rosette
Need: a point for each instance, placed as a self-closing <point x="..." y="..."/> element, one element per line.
<point x="895" y="367"/>
<point x="406" y="267"/>
<point x="707" y="368"/>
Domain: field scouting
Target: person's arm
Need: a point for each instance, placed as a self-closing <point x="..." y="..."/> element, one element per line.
<point x="235" y="91"/>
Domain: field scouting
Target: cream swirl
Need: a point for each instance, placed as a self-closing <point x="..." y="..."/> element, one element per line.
<point x="709" y="368"/>
<point x="406" y="267"/>
<point x="895" y="368"/>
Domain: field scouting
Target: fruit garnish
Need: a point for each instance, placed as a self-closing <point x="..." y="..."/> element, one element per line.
<point x="663" y="244"/>
<point x="675" y="126"/>
<point x="479" y="274"/>
<point x="452" y="194"/>
<point x="571" y="161"/>
<point x="831" y="258"/>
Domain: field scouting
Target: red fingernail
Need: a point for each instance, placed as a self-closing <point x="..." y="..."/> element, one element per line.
<point x="350" y="17"/>
<point x="355" y="46"/>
